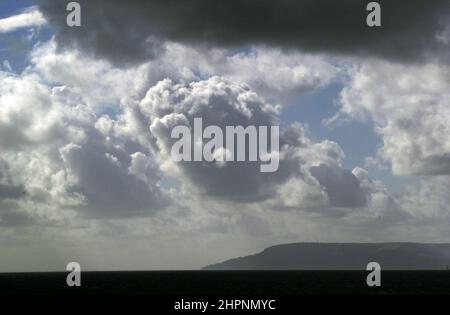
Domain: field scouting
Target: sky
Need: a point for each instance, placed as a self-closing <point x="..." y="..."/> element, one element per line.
<point x="86" y="115"/>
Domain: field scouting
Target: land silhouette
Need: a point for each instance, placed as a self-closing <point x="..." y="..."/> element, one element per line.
<point x="343" y="256"/>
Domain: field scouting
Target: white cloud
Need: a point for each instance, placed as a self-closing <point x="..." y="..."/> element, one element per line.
<point x="80" y="138"/>
<point x="97" y="83"/>
<point x="279" y="76"/>
<point x="105" y="163"/>
<point x="408" y="105"/>
<point x="29" y="18"/>
<point x="6" y="66"/>
<point x="63" y="156"/>
<point x="310" y="177"/>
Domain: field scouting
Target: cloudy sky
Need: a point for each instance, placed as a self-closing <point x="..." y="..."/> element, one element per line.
<point x="86" y="115"/>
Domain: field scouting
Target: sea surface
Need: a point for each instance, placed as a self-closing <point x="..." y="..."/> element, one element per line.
<point x="223" y="283"/>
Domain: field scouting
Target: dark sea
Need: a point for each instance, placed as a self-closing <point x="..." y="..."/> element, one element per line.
<point x="227" y="283"/>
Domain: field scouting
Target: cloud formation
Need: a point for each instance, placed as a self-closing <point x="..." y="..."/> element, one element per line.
<point x="84" y="137"/>
<point x="105" y="156"/>
<point x="134" y="33"/>
<point x="277" y="76"/>
<point x="409" y="108"/>
<point x="29" y="18"/>
<point x="63" y="154"/>
<point x="310" y="175"/>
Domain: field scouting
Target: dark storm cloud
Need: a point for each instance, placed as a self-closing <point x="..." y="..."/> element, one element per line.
<point x="132" y="31"/>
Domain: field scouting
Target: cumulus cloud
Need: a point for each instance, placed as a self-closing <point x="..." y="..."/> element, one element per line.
<point x="29" y="18"/>
<point x="382" y="205"/>
<point x="348" y="195"/>
<point x="102" y="177"/>
<point x="310" y="175"/>
<point x="97" y="138"/>
<point x="64" y="155"/>
<point x="75" y="147"/>
<point x="89" y="80"/>
<point x="276" y="75"/>
<point x="221" y="103"/>
<point x="409" y="108"/>
<point x="84" y="137"/>
<point x="101" y="148"/>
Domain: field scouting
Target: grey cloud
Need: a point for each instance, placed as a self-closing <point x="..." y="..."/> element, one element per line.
<point x="104" y="179"/>
<point x="409" y="107"/>
<point x="11" y="192"/>
<point x="221" y="102"/>
<point x="279" y="76"/>
<point x="342" y="187"/>
<point x="133" y="32"/>
<point x="438" y="164"/>
<point x="14" y="218"/>
<point x="7" y="189"/>
<point x="70" y="159"/>
<point x="428" y="200"/>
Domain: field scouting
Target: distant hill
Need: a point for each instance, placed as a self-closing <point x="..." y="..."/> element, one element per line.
<point x="343" y="256"/>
